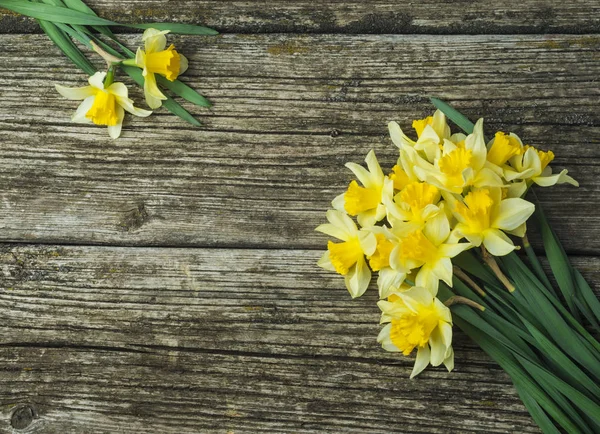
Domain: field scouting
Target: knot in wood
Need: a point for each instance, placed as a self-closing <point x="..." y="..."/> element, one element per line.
<point x="22" y="416"/>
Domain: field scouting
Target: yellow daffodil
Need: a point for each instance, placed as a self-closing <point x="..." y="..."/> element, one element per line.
<point x="157" y="59"/>
<point x="431" y="250"/>
<point x="417" y="319"/>
<point x="503" y="147"/>
<point x="102" y="105"/>
<point x="364" y="202"/>
<point x="348" y="257"/>
<point x="414" y="205"/>
<point x="431" y="132"/>
<point x="483" y="216"/>
<point x="456" y="167"/>
<point x="533" y="166"/>
<point x="389" y="280"/>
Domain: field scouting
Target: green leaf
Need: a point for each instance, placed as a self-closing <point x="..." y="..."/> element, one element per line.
<point x="53" y="13"/>
<point x="520" y="377"/>
<point x="79" y="5"/>
<point x="536" y="412"/>
<point x="559" y="262"/>
<point x="454" y="115"/>
<point x="184" y="91"/>
<point x="553" y="322"/>
<point x="64" y="15"/>
<point x="63" y="42"/>
<point x="587" y="294"/>
<point x="537" y="266"/>
<point x="169" y="103"/>
<point x="587" y="406"/>
<point x="75" y="34"/>
<point x="568" y="367"/>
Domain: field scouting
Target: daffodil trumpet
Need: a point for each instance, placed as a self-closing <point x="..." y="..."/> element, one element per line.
<point x="413" y="222"/>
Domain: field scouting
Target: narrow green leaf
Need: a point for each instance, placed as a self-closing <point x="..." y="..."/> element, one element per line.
<point x="587" y="313"/>
<point x="521" y="378"/>
<point x="454" y="115"/>
<point x="559" y="262"/>
<point x="571" y="370"/>
<point x="587" y="294"/>
<point x="553" y="323"/>
<point x="67" y="46"/>
<point x="537" y="413"/>
<point x="537" y="266"/>
<point x="169" y="104"/>
<point x="184" y="91"/>
<point x="75" y="34"/>
<point x="53" y="13"/>
<point x="588" y="407"/>
<point x="75" y="16"/>
<point x="79" y="5"/>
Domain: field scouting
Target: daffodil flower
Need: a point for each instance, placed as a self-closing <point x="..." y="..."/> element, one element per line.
<point x="457" y="167"/>
<point x="157" y="59"/>
<point x="348" y="257"/>
<point x="417" y="319"/>
<point x="483" y="216"/>
<point x="364" y="202"/>
<point x="389" y="280"/>
<point x="431" y="249"/>
<point x="431" y="132"/>
<point x="102" y="104"/>
<point x="533" y="166"/>
<point x="414" y="205"/>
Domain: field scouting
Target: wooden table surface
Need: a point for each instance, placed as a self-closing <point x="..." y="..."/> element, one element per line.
<point x="166" y="282"/>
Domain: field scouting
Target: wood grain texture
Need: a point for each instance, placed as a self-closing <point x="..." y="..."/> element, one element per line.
<point x="170" y="340"/>
<point x="350" y="16"/>
<point x="289" y="112"/>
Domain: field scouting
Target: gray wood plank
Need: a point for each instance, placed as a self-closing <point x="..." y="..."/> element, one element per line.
<point x="289" y="111"/>
<point x="171" y="340"/>
<point x="351" y="16"/>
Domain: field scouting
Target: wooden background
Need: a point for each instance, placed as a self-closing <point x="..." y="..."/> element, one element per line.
<point x="166" y="282"/>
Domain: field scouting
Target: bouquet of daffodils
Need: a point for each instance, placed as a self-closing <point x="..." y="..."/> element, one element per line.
<point x="439" y="230"/>
<point x="104" y="100"/>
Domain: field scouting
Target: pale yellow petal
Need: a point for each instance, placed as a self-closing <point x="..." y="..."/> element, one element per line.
<point x="79" y="115"/>
<point x="512" y="213"/>
<point x="497" y="243"/>
<point x="325" y="262"/>
<point x="155" y="40"/>
<point x="114" y="131"/>
<point x="75" y="93"/>
<point x="358" y="278"/>
<point x="421" y="362"/>
<point x="97" y="80"/>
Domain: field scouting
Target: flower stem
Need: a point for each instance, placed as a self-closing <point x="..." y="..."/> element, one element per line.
<point x="489" y="259"/>
<point x="457" y="299"/>
<point x="109" y="58"/>
<point x="467" y="279"/>
<point x="110" y="77"/>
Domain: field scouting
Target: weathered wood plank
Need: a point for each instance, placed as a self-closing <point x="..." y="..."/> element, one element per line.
<point x="289" y="111"/>
<point x="107" y="339"/>
<point x="351" y="16"/>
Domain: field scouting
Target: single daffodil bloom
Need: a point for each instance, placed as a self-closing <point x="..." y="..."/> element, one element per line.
<point x="155" y="58"/>
<point x="483" y="217"/>
<point x="102" y="104"/>
<point x="416" y="319"/>
<point x="348" y="257"/>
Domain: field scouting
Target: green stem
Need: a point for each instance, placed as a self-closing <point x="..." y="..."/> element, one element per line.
<point x="110" y="77"/>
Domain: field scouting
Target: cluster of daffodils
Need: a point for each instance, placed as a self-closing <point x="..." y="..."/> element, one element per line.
<point x="446" y="194"/>
<point x="105" y="101"/>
